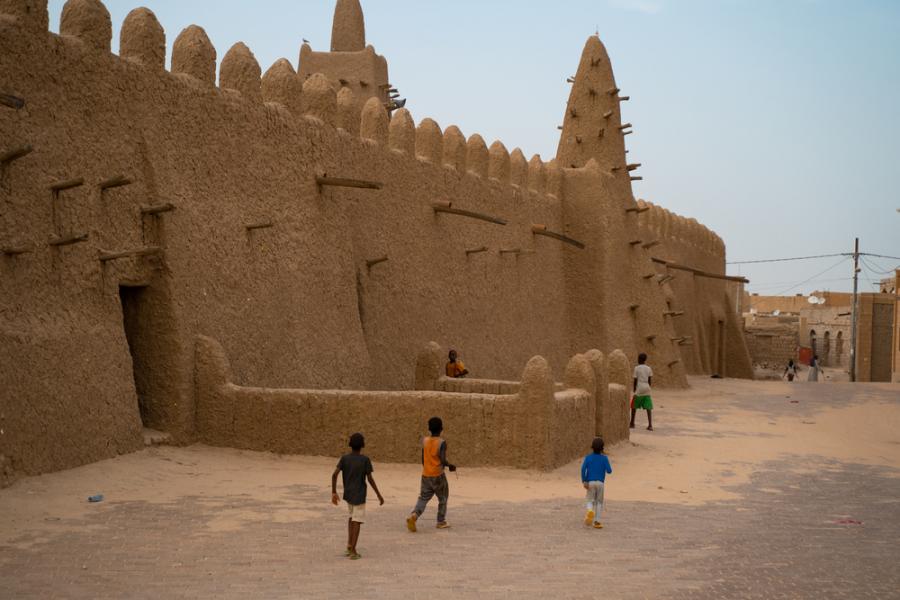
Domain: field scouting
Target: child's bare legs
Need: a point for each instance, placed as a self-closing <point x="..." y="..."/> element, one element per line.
<point x="633" y="411"/>
<point x="352" y="536"/>
<point x="649" y="419"/>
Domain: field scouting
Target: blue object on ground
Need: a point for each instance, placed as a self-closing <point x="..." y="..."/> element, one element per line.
<point x="95" y="498"/>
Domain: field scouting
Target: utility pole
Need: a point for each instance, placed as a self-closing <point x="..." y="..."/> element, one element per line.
<point x="853" y="311"/>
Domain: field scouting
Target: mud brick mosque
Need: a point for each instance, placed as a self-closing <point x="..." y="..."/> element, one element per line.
<point x="274" y="260"/>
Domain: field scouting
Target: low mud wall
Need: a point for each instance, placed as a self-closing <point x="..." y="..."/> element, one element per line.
<point x="536" y="427"/>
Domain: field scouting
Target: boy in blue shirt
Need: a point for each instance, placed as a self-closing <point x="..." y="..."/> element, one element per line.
<point x="593" y="475"/>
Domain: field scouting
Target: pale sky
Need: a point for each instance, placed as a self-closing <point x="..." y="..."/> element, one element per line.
<point x="773" y="122"/>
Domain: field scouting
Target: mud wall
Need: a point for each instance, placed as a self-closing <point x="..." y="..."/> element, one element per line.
<point x="535" y="427"/>
<point x="702" y="308"/>
<point x="772" y="347"/>
<point x="119" y="175"/>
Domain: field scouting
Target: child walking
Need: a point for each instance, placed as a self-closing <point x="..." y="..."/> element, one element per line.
<point x="434" y="480"/>
<point x="593" y="477"/>
<point x="355" y="468"/>
<point x="643" y="374"/>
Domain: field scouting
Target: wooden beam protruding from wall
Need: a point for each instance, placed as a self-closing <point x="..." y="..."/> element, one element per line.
<point x="447" y="207"/>
<point x="143" y="251"/>
<point x="538" y="229"/>
<point x="67" y="184"/>
<point x="66" y="241"/>
<point x="15" y="154"/>
<point x="155" y="209"/>
<point x="374" y="261"/>
<point x="322" y="181"/>
<point x="12" y="101"/>
<point x="114" y="182"/>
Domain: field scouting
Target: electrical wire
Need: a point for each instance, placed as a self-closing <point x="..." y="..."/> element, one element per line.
<point x="879" y="255"/>
<point x="771" y="260"/>
<point x="804" y="282"/>
<point x="875" y="273"/>
<point x="877" y="270"/>
<point x="778" y="284"/>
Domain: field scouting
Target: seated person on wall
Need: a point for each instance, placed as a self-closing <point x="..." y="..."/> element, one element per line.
<point x="455" y="367"/>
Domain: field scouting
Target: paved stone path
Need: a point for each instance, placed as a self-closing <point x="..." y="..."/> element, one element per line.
<point x="783" y="538"/>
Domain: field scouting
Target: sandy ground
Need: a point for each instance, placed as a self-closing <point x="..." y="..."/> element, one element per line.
<point x="702" y="449"/>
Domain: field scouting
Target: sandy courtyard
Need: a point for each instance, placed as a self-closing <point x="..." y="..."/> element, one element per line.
<point x="745" y="489"/>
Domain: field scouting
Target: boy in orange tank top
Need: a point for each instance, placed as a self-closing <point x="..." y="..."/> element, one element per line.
<point x="434" y="480"/>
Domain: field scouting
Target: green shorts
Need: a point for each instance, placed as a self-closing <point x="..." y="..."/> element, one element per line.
<point x="643" y="402"/>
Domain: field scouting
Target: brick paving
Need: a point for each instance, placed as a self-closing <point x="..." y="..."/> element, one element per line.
<point x="781" y="539"/>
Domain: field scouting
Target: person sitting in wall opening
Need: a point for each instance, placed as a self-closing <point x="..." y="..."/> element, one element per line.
<point x="455" y="367"/>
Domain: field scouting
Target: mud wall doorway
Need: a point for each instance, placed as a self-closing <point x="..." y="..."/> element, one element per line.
<point x="140" y="318"/>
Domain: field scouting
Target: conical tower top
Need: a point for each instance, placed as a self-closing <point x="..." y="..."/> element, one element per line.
<point x="592" y="126"/>
<point x="348" y="33"/>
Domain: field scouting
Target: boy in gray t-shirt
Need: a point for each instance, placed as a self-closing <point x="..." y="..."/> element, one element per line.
<point x="355" y="468"/>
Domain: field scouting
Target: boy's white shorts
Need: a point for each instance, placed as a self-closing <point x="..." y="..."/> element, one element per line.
<point x="357" y="512"/>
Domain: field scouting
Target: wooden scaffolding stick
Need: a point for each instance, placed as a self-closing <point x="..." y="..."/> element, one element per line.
<point x="666" y="278"/>
<point x="637" y="209"/>
<point x="12" y="101"/>
<point x="144" y="251"/>
<point x="67" y="184"/>
<point x="113" y="182"/>
<point x="636" y="178"/>
<point x="607" y="114"/>
<point x="634" y="306"/>
<point x="72" y="239"/>
<point x="673" y="313"/>
<point x="634" y="242"/>
<point x="374" y="261"/>
<point x="632" y="166"/>
<point x="613" y="91"/>
<point x="649" y="276"/>
<point x="625" y="126"/>
<point x="476" y="250"/>
<point x="447" y="207"/>
<point x="624" y="98"/>
<point x="260" y="225"/>
<point x="672" y="363"/>
<point x="678" y="339"/>
<point x="510" y="250"/>
<point x="15" y="153"/>
<point x="15" y="250"/>
<point x="538" y="229"/>
<point x="157" y="208"/>
<point x="650" y="338"/>
<point x="353" y="183"/>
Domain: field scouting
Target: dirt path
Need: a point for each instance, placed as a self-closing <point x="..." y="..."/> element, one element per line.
<point x="736" y="475"/>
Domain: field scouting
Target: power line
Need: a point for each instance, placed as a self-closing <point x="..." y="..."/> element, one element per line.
<point x="879" y="256"/>
<point x="876" y="268"/>
<point x="771" y="260"/>
<point x="793" y="287"/>
<point x="777" y="284"/>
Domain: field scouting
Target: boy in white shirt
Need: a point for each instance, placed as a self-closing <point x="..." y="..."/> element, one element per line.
<point x="642" y="376"/>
